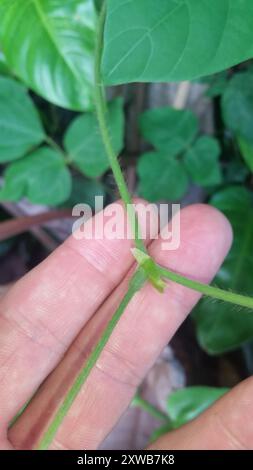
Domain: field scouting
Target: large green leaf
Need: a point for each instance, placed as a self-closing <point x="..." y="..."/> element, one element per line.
<point x="20" y="126"/>
<point x="161" y="177"/>
<point x="237" y="105"/>
<point x="220" y="326"/>
<point x="169" y="129"/>
<point x="42" y="177"/>
<point x="202" y="162"/>
<point x="84" y="144"/>
<point x="187" y="403"/>
<point x="50" y="46"/>
<point x="164" y="40"/>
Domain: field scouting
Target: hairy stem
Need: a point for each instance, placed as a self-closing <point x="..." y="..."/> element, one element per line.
<point x="135" y="284"/>
<point x="101" y="108"/>
<point x="162" y="273"/>
<point x="208" y="291"/>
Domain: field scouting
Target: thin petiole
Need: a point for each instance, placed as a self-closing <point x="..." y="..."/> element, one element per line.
<point x="209" y="291"/>
<point x="101" y="109"/>
<point x="149" y="408"/>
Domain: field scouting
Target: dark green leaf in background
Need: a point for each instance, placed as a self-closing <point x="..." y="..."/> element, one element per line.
<point x="41" y="177"/>
<point x="169" y="129"/>
<point x="50" y="46"/>
<point x="20" y="126"/>
<point x="246" y="149"/>
<point x="202" y="162"/>
<point x="161" y="177"/>
<point x="187" y="403"/>
<point x="235" y="171"/>
<point x="168" y="40"/>
<point x="84" y="191"/>
<point x="216" y="84"/>
<point x="223" y="327"/>
<point x="84" y="144"/>
<point x="237" y="105"/>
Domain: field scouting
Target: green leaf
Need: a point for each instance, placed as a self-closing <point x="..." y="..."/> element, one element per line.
<point x="237" y="105"/>
<point x="50" y="46"/>
<point x="84" y="144"/>
<point x="160" y="431"/>
<point x="216" y="84"/>
<point x="161" y="177"/>
<point x="246" y="149"/>
<point x="235" y="171"/>
<point x="42" y="177"/>
<point x="20" y="126"/>
<point x="84" y="191"/>
<point x="187" y="403"/>
<point x="4" y="70"/>
<point x="169" y="129"/>
<point x="220" y="327"/>
<point x="202" y="162"/>
<point x="167" y="40"/>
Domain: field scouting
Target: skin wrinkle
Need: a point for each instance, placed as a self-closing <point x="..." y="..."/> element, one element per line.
<point x="102" y="255"/>
<point x="73" y="275"/>
<point x="91" y="256"/>
<point x="10" y="364"/>
<point x="11" y="360"/>
<point x="37" y="349"/>
<point x="35" y="334"/>
<point x="112" y="355"/>
<point x="229" y="434"/>
<point x="34" y="330"/>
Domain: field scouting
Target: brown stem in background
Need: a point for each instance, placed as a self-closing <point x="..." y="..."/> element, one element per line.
<point x="13" y="227"/>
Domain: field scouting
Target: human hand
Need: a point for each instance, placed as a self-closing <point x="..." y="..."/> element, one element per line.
<point x="51" y="319"/>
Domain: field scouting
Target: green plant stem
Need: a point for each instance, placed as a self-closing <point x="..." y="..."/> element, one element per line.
<point x="149" y="408"/>
<point x="135" y="284"/>
<point x="209" y="291"/>
<point x="101" y="109"/>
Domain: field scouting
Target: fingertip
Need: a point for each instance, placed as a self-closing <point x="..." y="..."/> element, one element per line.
<point x="208" y="220"/>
